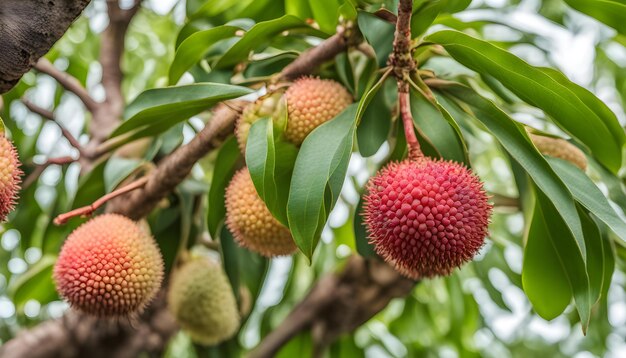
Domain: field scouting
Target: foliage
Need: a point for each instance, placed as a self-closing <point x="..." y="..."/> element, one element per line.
<point x="554" y="260"/>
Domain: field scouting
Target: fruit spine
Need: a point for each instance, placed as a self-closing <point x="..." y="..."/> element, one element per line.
<point x="109" y="267"/>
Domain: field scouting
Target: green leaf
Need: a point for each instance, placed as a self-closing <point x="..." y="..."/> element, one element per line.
<point x="225" y="164"/>
<point x="568" y="255"/>
<point x="375" y="124"/>
<point x="270" y="163"/>
<point x="378" y="33"/>
<point x="230" y="259"/>
<point x="536" y="87"/>
<point x="195" y="47"/>
<point x="318" y="176"/>
<point x="543" y="277"/>
<point x="363" y="246"/>
<point x="611" y="13"/>
<point x="348" y="10"/>
<point x="515" y="141"/>
<point x="326" y="14"/>
<point x="595" y="256"/>
<point x="117" y="169"/>
<point x="614" y="185"/>
<point x="164" y="107"/>
<point x="425" y="14"/>
<point x="608" y="249"/>
<point x="299" y="8"/>
<point x="589" y="195"/>
<point x="594" y="103"/>
<point x="259" y="34"/>
<point x="435" y="123"/>
<point x="35" y="284"/>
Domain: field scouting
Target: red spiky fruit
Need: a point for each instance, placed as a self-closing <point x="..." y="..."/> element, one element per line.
<point x="109" y="267"/>
<point x="10" y="177"/>
<point x="251" y="222"/>
<point x="311" y="102"/>
<point x="426" y="217"/>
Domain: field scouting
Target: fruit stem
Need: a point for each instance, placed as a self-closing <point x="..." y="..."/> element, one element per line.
<point x="415" y="152"/>
<point x="403" y="64"/>
<point x="89" y="209"/>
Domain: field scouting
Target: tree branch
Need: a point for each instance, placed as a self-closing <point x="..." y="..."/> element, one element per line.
<point x="89" y="209"/>
<point x="309" y="60"/>
<point x="338" y="304"/>
<point x="28" y="30"/>
<point x="80" y="335"/>
<point x="39" y="169"/>
<point x="69" y="82"/>
<point x="44" y="113"/>
<point x="175" y="168"/>
<point x="107" y="115"/>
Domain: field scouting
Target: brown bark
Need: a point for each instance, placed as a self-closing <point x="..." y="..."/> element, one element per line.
<point x="338" y="304"/>
<point x="79" y="335"/>
<point x="28" y="29"/>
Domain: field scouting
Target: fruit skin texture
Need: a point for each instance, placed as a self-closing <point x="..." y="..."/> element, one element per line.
<point x="202" y="301"/>
<point x="311" y="102"/>
<point x="560" y="148"/>
<point x="10" y="177"/>
<point x="109" y="267"/>
<point x="251" y="222"/>
<point x="426" y="217"/>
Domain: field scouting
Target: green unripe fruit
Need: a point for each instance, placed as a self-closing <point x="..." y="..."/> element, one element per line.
<point x="202" y="301"/>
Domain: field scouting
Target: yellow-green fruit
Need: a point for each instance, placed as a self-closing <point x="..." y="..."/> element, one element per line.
<point x="311" y="102"/>
<point x="560" y="148"/>
<point x="263" y="107"/>
<point x="251" y="223"/>
<point x="10" y="174"/>
<point x="202" y="300"/>
<point x="109" y="267"/>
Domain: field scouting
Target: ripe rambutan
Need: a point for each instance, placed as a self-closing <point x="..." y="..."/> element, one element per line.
<point x="426" y="217"/>
<point x="251" y="222"/>
<point x="10" y="177"/>
<point x="109" y="267"/>
<point x="311" y="102"/>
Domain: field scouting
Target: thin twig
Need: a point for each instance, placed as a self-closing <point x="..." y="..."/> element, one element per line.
<point x="89" y="209"/>
<point x="44" y="113"/>
<point x="310" y="59"/>
<point x="69" y="82"/>
<point x="404" y="66"/>
<point x="36" y="173"/>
